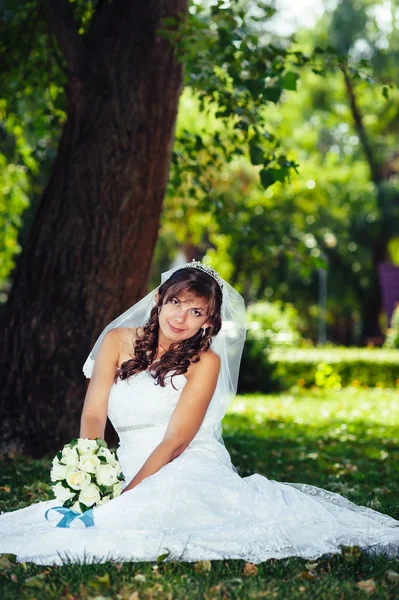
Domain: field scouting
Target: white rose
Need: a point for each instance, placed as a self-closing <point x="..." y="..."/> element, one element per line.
<point x="61" y="493"/>
<point x="69" y="456"/>
<point x="117" y="466"/>
<point x="77" y="479"/>
<point x="86" y="446"/>
<point x="107" y="454"/>
<point x="118" y="487"/>
<point x="89" y="463"/>
<point x="106" y="475"/>
<point x="58" y="471"/>
<point x="89" y="495"/>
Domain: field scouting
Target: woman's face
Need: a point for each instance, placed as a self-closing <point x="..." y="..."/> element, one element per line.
<point x="180" y="319"/>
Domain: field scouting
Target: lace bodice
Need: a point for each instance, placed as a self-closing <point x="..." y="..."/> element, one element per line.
<point x="139" y="401"/>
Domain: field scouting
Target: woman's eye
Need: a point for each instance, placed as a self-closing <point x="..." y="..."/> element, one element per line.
<point x="197" y="313"/>
<point x="174" y="301"/>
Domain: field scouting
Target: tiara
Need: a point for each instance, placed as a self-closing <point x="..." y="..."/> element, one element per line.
<point x="196" y="264"/>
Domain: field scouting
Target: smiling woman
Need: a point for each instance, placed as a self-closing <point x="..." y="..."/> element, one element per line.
<point x="182" y="323"/>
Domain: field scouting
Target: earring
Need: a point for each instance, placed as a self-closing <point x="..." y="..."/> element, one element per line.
<point x="203" y="331"/>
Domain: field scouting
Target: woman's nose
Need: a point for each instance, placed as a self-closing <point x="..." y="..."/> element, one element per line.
<point x="179" y="316"/>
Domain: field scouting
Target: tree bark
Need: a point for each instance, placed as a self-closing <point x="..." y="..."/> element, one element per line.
<point x="373" y="302"/>
<point x="89" y="251"/>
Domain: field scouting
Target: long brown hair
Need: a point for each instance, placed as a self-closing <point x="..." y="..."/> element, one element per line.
<point x="186" y="283"/>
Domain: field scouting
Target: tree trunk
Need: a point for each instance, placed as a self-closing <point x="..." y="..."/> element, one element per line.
<point x="90" y="248"/>
<point x="373" y="305"/>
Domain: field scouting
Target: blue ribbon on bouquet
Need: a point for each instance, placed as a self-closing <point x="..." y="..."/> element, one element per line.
<point x="70" y="515"/>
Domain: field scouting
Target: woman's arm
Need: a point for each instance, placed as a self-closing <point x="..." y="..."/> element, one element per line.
<point x="186" y="418"/>
<point x="95" y="407"/>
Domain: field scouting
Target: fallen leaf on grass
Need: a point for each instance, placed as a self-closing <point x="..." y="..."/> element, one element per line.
<point x="311" y="566"/>
<point x="127" y="592"/>
<point x="156" y="589"/>
<point x="7" y="561"/>
<point x="139" y="577"/>
<point x="5" y="488"/>
<point x="35" y="580"/>
<point x="309" y="575"/>
<point x="99" y="582"/>
<point x="392" y="576"/>
<point x="367" y="585"/>
<point x="103" y="579"/>
<point x="203" y="566"/>
<point x="250" y="570"/>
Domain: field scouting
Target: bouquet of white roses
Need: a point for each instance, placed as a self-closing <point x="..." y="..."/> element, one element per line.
<point x="85" y="474"/>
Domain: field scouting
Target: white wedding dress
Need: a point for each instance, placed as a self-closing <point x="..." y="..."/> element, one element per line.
<point x="196" y="507"/>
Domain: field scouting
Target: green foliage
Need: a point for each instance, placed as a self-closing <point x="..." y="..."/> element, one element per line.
<point x="13" y="201"/>
<point x="392" y="338"/>
<point x="267" y="368"/>
<point x="32" y="110"/>
<point x="326" y="378"/>
<point x="270" y="324"/>
<point x="346" y="442"/>
<point x="275" y="322"/>
<point x="333" y="367"/>
<point x="256" y="373"/>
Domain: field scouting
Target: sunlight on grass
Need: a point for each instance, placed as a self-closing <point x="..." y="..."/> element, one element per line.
<point x="345" y="440"/>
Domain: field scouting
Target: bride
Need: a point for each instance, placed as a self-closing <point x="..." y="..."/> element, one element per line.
<point x="164" y="373"/>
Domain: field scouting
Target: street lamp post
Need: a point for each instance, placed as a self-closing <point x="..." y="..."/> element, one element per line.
<point x="322" y="324"/>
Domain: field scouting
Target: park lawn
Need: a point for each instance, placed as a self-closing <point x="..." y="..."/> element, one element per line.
<point x="346" y="441"/>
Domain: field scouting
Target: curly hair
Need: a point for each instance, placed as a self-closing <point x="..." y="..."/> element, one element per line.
<point x="184" y="283"/>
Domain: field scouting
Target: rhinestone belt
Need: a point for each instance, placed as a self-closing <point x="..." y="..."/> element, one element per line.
<point x="133" y="427"/>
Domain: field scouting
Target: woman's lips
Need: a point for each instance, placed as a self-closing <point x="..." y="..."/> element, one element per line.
<point x="175" y="328"/>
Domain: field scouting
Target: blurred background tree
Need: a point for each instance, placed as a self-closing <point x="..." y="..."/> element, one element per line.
<point x="339" y="211"/>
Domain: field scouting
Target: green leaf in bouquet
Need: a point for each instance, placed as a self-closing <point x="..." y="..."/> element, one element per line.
<point x="102" y="458"/>
<point x="83" y="507"/>
<point x="109" y="489"/>
<point x="102" y="443"/>
<point x="121" y="477"/>
<point x="73" y="442"/>
<point x="102" y="488"/>
<point x="59" y="455"/>
<point x="65" y="485"/>
<point x="69" y="503"/>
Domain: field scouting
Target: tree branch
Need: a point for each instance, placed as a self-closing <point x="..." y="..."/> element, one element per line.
<point x="63" y="26"/>
<point x="357" y="117"/>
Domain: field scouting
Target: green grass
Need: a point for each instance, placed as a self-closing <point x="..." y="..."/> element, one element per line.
<point x="346" y="441"/>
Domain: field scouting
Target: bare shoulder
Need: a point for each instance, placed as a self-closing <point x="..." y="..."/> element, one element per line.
<point x="125" y="338"/>
<point x="209" y="363"/>
<point x="128" y="333"/>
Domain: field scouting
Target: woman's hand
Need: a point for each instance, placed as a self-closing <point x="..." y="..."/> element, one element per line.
<point x="186" y="418"/>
